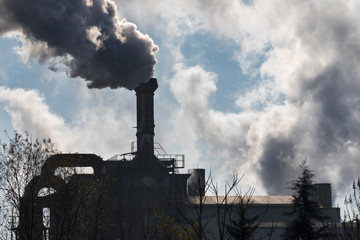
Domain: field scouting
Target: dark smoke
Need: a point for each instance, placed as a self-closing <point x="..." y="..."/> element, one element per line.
<point x="327" y="134"/>
<point x="276" y="168"/>
<point x="93" y="43"/>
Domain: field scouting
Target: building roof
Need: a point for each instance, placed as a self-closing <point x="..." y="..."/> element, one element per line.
<point x="254" y="200"/>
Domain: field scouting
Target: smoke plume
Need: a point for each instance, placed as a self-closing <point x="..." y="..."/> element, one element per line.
<point x="306" y="100"/>
<point x="87" y="36"/>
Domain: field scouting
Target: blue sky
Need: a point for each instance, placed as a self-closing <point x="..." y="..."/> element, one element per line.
<point x="248" y="87"/>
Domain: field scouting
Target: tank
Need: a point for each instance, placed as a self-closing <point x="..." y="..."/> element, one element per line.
<point x="322" y="194"/>
<point x="196" y="182"/>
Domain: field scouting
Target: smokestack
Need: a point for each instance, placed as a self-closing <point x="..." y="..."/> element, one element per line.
<point x="145" y="157"/>
<point x="145" y="117"/>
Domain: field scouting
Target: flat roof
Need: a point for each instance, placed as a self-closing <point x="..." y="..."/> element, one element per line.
<point x="254" y="200"/>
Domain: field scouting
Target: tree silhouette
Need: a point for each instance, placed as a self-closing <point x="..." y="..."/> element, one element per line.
<point x="21" y="158"/>
<point x="244" y="226"/>
<point x="351" y="223"/>
<point x="26" y="210"/>
<point x="309" y="222"/>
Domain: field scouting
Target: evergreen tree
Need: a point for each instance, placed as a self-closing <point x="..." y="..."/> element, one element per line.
<point x="245" y="225"/>
<point x="309" y="222"/>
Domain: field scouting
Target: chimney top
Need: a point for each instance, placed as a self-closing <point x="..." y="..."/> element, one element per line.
<point x="149" y="87"/>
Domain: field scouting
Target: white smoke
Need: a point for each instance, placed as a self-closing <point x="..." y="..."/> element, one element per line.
<point x="306" y="56"/>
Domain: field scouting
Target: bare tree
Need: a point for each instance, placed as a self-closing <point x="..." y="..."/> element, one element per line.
<point x="190" y="211"/>
<point x="351" y="222"/>
<point x="212" y="215"/>
<point x="244" y="226"/>
<point x="38" y="205"/>
<point x="21" y="158"/>
<point x="225" y="205"/>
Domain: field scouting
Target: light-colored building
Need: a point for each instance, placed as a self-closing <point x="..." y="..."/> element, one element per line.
<point x="271" y="210"/>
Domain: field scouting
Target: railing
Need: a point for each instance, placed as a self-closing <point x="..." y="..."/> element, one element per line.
<point x="122" y="157"/>
<point x="170" y="160"/>
<point x="158" y="149"/>
<point x="177" y="159"/>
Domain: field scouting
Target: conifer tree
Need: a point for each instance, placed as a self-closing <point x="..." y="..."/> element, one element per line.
<point x="309" y="222"/>
<point x="244" y="227"/>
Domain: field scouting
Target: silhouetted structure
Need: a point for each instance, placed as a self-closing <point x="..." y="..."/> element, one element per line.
<point x="120" y="197"/>
<point x="116" y="199"/>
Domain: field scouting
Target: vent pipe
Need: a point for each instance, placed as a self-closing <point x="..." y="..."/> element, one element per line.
<point x="145" y="117"/>
<point x="196" y="182"/>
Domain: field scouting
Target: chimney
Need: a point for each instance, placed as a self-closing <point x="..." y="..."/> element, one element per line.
<point x="145" y="117"/>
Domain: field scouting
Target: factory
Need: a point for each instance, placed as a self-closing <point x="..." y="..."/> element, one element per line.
<point x="119" y="198"/>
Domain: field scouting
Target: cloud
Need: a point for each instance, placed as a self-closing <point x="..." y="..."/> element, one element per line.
<point x="96" y="128"/>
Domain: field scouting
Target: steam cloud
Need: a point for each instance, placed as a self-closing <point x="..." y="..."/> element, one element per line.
<point x="308" y="92"/>
<point x="87" y="36"/>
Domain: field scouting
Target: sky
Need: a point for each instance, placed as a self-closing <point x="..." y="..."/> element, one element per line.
<point x="245" y="87"/>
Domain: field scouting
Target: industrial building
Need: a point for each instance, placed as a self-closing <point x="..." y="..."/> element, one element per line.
<point x="270" y="211"/>
<point x="121" y="197"/>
